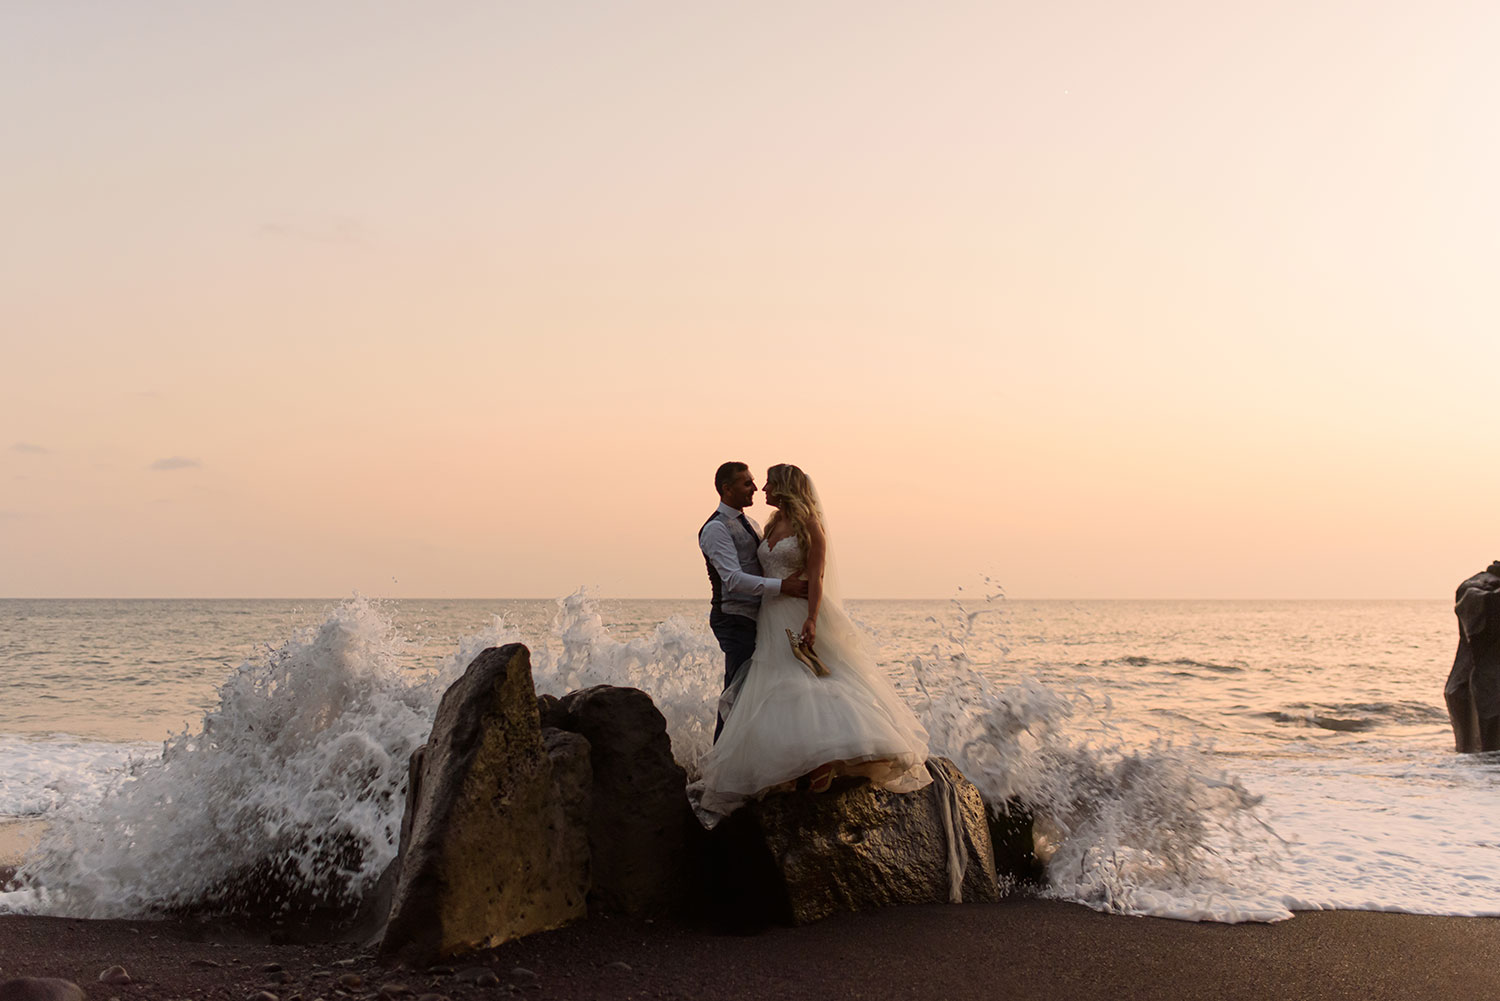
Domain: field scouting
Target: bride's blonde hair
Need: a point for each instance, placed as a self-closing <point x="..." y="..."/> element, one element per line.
<point x="795" y="501"/>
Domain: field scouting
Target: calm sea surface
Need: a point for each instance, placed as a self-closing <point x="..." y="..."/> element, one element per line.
<point x="1329" y="713"/>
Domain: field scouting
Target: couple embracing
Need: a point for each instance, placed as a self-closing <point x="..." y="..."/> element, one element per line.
<point x="803" y="695"/>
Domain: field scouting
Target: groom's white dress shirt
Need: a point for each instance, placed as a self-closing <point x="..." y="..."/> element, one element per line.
<point x="716" y="544"/>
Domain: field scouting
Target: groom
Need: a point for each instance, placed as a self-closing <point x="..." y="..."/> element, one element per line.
<point x="729" y="541"/>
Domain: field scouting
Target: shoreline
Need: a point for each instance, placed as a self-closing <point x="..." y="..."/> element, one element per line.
<point x="1021" y="949"/>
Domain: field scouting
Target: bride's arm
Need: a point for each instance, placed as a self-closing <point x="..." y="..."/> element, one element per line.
<point x="817" y="556"/>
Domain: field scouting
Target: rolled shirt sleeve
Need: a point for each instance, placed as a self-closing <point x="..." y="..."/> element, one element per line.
<point x="716" y="544"/>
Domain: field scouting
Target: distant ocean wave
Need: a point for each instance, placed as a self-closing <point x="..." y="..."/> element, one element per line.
<point x="1357" y="716"/>
<point x="1137" y="660"/>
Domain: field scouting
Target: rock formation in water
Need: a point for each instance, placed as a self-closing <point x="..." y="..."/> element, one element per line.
<point x="1473" y="688"/>
<point x="494" y="843"/>
<point x="522" y="813"/>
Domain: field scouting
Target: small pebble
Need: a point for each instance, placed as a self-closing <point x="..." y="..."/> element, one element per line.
<point x="433" y="997"/>
<point x="618" y="965"/>
<point x="344" y="964"/>
<point x="481" y="975"/>
<point x="280" y="977"/>
<point x="262" y="996"/>
<point x="521" y="973"/>
<point x="351" y="980"/>
<point x="115" y="976"/>
<point x="208" y="963"/>
<point x="395" y="991"/>
<point x="271" y="968"/>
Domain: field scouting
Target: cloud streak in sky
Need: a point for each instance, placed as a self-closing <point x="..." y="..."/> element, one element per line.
<point x="174" y="462"/>
<point x="29" y="449"/>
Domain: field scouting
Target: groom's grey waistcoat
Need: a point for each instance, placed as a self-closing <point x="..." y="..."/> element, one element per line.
<point x="745" y="544"/>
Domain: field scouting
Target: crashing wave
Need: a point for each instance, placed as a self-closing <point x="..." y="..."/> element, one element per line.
<point x="304" y="761"/>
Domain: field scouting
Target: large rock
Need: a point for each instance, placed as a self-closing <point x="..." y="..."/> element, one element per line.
<point x="491" y="848"/>
<point x="797" y="857"/>
<point x="641" y="828"/>
<point x="1473" y="688"/>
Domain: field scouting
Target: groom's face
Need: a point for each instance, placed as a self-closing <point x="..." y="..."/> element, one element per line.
<point x="740" y="493"/>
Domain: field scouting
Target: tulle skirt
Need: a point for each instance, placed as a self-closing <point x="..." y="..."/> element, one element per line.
<point x="782" y="721"/>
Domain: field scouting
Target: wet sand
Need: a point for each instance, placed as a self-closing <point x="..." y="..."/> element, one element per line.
<point x="1021" y="949"/>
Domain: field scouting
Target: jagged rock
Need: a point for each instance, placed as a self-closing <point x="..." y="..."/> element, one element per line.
<point x="798" y="857"/>
<point x="641" y="829"/>
<point x="1473" y="687"/>
<point x="40" y="989"/>
<point x="486" y="855"/>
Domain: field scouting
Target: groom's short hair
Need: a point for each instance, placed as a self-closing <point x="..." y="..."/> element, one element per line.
<point x="727" y="472"/>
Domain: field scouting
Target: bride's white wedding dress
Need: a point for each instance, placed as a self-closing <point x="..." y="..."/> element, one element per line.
<point x="783" y="722"/>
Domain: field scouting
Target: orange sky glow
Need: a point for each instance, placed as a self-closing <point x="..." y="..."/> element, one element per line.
<point x="1165" y="299"/>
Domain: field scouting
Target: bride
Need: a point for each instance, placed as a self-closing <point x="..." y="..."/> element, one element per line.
<point x="781" y="720"/>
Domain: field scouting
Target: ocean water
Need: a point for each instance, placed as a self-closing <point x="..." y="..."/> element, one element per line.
<point x="1203" y="760"/>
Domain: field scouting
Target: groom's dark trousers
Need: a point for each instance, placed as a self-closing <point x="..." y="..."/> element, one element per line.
<point x="736" y="636"/>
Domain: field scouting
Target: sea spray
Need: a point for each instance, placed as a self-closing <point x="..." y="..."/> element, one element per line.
<point x="306" y="749"/>
<point x="679" y="665"/>
<point x="1155" y="830"/>
<point x="303" y="762"/>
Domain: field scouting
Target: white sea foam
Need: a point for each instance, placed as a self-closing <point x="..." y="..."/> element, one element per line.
<point x="1159" y="829"/>
<point x="41" y="773"/>
<point x="307" y="746"/>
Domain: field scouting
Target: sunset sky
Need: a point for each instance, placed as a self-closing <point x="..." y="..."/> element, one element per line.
<point x="1161" y="299"/>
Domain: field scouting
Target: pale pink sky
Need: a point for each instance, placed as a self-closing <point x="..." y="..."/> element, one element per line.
<point x="1165" y="299"/>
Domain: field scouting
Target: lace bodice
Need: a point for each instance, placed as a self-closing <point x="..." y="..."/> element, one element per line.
<point x="783" y="561"/>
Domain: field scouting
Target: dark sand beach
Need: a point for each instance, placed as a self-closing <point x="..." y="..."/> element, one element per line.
<point x="1021" y="949"/>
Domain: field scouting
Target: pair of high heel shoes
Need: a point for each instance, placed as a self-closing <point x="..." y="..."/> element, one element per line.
<point x="807" y="655"/>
